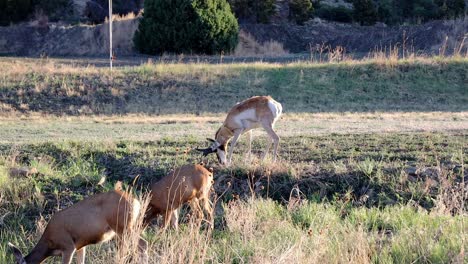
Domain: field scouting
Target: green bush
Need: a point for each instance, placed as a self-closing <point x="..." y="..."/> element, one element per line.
<point x="259" y="11"/>
<point x="300" y="10"/>
<point x="365" y="12"/>
<point x="54" y="9"/>
<point x="186" y="26"/>
<point x="449" y="9"/>
<point x="14" y="11"/>
<point x="339" y="14"/>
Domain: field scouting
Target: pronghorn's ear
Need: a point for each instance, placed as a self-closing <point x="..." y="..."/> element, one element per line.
<point x="17" y="253"/>
<point x="211" y="140"/>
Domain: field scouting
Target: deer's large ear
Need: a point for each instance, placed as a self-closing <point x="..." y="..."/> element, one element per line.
<point x="118" y="186"/>
<point x="17" y="253"/>
<point x="211" y="140"/>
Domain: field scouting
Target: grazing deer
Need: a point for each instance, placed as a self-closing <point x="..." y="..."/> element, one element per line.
<point x="90" y="221"/>
<point x="255" y="112"/>
<point x="189" y="183"/>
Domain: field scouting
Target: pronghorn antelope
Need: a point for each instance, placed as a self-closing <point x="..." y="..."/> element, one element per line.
<point x="189" y="183"/>
<point x="90" y="221"/>
<point x="255" y="112"/>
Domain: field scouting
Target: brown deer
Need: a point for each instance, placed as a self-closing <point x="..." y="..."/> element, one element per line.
<point x="186" y="184"/>
<point x="90" y="221"/>
<point x="255" y="112"/>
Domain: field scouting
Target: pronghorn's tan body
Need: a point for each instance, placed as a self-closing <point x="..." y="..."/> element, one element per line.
<point x="93" y="220"/>
<point x="186" y="184"/>
<point x="255" y="112"/>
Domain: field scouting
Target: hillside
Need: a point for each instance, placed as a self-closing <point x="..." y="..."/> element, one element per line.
<point x="43" y="86"/>
<point x="85" y="40"/>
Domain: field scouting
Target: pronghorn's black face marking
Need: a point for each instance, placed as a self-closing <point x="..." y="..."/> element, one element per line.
<point x="215" y="147"/>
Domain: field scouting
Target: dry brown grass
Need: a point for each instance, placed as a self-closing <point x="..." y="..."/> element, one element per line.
<point x="248" y="46"/>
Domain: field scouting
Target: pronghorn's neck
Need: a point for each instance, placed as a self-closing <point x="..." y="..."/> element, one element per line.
<point x="223" y="135"/>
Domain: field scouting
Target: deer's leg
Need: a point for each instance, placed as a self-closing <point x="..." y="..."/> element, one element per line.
<point x="149" y="215"/>
<point x="143" y="249"/>
<point x="209" y="211"/>
<point x="236" y="136"/>
<point x="175" y="219"/>
<point x="80" y="255"/>
<point x="167" y="218"/>
<point x="269" y="129"/>
<point x="67" y="255"/>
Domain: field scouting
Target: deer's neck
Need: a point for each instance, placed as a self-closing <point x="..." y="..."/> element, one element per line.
<point x="39" y="253"/>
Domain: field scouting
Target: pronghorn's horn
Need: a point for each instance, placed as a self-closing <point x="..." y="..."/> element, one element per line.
<point x="205" y="151"/>
<point x="210" y="140"/>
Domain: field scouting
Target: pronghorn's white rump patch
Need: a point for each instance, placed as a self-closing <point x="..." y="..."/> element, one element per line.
<point x="248" y="114"/>
<point x="276" y="109"/>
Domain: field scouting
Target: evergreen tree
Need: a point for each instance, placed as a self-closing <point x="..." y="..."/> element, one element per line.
<point x="200" y="26"/>
<point x="365" y="12"/>
<point x="300" y="10"/>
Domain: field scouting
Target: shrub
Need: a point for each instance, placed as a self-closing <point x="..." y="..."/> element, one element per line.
<point x="300" y="10"/>
<point x="450" y="9"/>
<point x="14" y="11"/>
<point x="186" y="26"/>
<point x="339" y="14"/>
<point x="258" y="11"/>
<point x="365" y="12"/>
<point x="55" y="9"/>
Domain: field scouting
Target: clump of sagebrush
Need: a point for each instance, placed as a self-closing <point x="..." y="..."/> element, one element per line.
<point x="187" y="26"/>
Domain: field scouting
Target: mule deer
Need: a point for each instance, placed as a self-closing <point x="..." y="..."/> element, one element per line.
<point x="186" y="184"/>
<point x="93" y="220"/>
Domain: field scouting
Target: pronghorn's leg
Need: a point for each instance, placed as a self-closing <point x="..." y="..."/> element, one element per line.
<point x="270" y="141"/>
<point x="236" y="136"/>
<point x="80" y="255"/>
<point x="249" y="151"/>
<point x="269" y="129"/>
<point x="67" y="255"/>
<point x="175" y="219"/>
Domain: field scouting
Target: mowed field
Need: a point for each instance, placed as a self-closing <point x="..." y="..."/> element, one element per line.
<point x="372" y="159"/>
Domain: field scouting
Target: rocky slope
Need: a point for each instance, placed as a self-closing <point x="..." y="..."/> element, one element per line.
<point x="84" y="40"/>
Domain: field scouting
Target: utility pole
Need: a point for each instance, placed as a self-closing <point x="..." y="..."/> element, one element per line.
<point x="111" y="56"/>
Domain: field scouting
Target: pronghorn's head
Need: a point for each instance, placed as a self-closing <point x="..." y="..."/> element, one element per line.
<point x="215" y="147"/>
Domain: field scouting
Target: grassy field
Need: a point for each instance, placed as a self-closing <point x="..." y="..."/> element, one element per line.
<point x="372" y="158"/>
